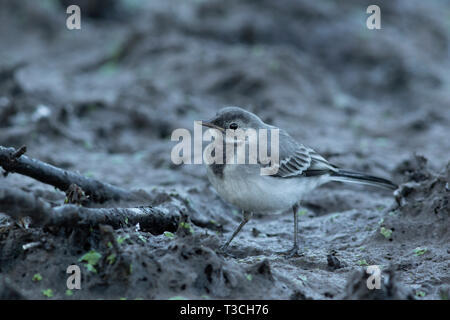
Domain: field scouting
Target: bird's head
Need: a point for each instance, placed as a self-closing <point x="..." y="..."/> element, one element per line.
<point x="232" y="118"/>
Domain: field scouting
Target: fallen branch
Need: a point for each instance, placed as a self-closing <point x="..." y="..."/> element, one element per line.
<point x="12" y="160"/>
<point x="17" y="204"/>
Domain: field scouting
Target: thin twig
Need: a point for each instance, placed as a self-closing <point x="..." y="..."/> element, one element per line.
<point x="12" y="160"/>
<point x="17" y="203"/>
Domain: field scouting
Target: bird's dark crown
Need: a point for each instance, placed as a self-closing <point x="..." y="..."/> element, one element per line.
<point x="229" y="115"/>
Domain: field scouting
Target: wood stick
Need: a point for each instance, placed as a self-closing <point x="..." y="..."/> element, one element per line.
<point x="17" y="204"/>
<point x="12" y="160"/>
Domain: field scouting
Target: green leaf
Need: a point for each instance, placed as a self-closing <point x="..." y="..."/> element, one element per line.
<point x="91" y="268"/>
<point x="386" y="232"/>
<point x="37" y="277"/>
<point x="302" y="212"/>
<point x="48" y="293"/>
<point x="362" y="262"/>
<point x="420" y="294"/>
<point x="420" y="251"/>
<point x="69" y="293"/>
<point x="169" y="234"/>
<point x="186" y="226"/>
<point x="92" y="257"/>
<point x="121" y="239"/>
<point x="111" y="258"/>
<point x="249" y="277"/>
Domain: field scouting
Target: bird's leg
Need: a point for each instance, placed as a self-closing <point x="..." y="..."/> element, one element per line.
<point x="246" y="216"/>
<point x="294" y="251"/>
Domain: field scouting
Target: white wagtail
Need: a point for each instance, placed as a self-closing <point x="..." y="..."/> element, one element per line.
<point x="300" y="170"/>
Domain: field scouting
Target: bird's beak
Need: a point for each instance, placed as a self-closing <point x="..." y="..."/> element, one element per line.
<point x="211" y="125"/>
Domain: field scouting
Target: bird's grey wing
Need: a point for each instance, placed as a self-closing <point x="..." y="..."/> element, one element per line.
<point x="299" y="160"/>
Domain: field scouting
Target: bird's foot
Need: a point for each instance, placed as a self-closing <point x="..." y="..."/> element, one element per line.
<point x="223" y="250"/>
<point x="292" y="253"/>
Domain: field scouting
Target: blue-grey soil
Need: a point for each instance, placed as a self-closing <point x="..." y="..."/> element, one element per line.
<point x="103" y="101"/>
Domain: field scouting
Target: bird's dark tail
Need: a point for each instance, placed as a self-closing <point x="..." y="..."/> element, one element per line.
<point x="356" y="177"/>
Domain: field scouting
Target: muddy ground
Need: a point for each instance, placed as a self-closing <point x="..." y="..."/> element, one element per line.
<point x="103" y="101"/>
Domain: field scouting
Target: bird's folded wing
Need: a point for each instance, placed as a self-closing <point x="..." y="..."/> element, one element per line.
<point x="299" y="160"/>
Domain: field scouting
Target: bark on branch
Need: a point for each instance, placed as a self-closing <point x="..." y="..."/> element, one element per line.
<point x="12" y="160"/>
<point x="17" y="203"/>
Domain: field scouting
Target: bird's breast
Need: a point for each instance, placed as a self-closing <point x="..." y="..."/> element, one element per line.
<point x="244" y="187"/>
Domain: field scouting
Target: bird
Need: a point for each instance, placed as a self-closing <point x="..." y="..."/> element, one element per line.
<point x="300" y="170"/>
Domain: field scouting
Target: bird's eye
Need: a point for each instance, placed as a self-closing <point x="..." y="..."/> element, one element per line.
<point x="233" y="126"/>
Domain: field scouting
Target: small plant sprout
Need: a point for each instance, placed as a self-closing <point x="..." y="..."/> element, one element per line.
<point x="169" y="234"/>
<point x="419" y="251"/>
<point x="37" y="277"/>
<point x="362" y="262"/>
<point x="48" y="293"/>
<point x="91" y="258"/>
<point x="302" y="212"/>
<point x="187" y="226"/>
<point x="111" y="258"/>
<point x="420" y="294"/>
<point x="387" y="233"/>
<point x="121" y="239"/>
<point x="69" y="293"/>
